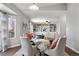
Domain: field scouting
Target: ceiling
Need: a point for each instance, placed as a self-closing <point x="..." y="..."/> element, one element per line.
<point x="42" y="6"/>
<point x="49" y="10"/>
<point x="4" y="8"/>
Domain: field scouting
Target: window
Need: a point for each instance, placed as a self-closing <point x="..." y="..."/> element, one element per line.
<point x="7" y="30"/>
<point x="12" y="27"/>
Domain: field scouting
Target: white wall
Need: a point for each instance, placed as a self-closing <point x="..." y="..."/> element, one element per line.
<point x="19" y="31"/>
<point x="73" y="26"/>
<point x="31" y="27"/>
<point x="19" y="20"/>
<point x="58" y="27"/>
<point x="62" y="25"/>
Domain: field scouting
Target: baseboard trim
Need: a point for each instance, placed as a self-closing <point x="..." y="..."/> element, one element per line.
<point x="71" y="51"/>
<point x="14" y="46"/>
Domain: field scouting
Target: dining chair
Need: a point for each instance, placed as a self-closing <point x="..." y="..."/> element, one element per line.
<point x="59" y="49"/>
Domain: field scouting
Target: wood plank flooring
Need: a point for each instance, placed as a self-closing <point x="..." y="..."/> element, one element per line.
<point x="71" y="52"/>
<point x="10" y="51"/>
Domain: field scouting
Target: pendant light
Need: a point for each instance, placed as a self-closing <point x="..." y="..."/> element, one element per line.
<point x="34" y="7"/>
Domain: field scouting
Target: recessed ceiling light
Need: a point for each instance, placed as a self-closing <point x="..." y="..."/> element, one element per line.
<point x="34" y="7"/>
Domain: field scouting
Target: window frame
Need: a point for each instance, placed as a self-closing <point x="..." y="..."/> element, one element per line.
<point x="14" y="26"/>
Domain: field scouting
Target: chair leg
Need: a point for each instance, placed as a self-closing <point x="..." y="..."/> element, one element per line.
<point x="40" y="53"/>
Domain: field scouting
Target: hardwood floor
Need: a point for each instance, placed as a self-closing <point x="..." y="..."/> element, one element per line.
<point x="71" y="52"/>
<point x="10" y="51"/>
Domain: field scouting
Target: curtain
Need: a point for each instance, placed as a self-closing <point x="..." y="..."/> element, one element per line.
<point x="0" y="32"/>
<point x="4" y="41"/>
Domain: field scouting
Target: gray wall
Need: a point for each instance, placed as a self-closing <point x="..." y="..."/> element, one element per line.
<point x="73" y="26"/>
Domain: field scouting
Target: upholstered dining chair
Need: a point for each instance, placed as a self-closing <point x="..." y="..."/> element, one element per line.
<point x="58" y="50"/>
